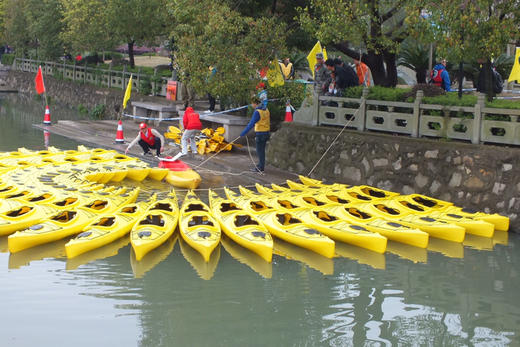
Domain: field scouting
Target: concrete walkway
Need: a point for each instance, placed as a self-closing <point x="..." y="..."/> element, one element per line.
<point x="225" y="169"/>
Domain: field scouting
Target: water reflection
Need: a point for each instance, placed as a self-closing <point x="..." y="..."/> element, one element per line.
<point x="312" y="259"/>
<point x="478" y="242"/>
<point x="204" y="269"/>
<point x="361" y="255"/>
<point x="54" y="249"/>
<point x="415" y="254"/>
<point x="447" y="248"/>
<point x="245" y="256"/>
<point x="154" y="257"/>
<point x="96" y="254"/>
<point x="3" y="244"/>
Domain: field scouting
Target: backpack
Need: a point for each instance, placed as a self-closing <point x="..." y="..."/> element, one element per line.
<point x="498" y="82"/>
<point x="436" y="78"/>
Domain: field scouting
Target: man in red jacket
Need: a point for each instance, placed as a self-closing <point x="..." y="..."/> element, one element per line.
<point x="148" y="138"/>
<point x="192" y="127"/>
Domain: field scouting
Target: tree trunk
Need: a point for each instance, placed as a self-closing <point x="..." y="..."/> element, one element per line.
<point x="420" y="75"/>
<point x="461" y="78"/>
<point x="131" y="54"/>
<point x="382" y="75"/>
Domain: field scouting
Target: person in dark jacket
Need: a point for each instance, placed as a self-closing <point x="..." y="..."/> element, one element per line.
<point x="344" y="76"/>
<point x="261" y="122"/>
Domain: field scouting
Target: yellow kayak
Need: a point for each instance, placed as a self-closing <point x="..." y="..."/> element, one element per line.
<point x="139" y="268"/>
<point x="241" y="226"/>
<point x="67" y="222"/>
<point x="500" y="222"/>
<point x="155" y="226"/>
<point x="391" y="230"/>
<point x="282" y="224"/>
<point x="107" y="228"/>
<point x="197" y="226"/>
<point x="413" y="218"/>
<point x="22" y="217"/>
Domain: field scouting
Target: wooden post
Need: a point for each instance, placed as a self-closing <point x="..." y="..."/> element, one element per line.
<point x="477" y="120"/>
<point x="362" y="111"/>
<point x="85" y="73"/>
<point x="109" y="75"/>
<point x="154" y="82"/>
<point x="123" y="77"/>
<point x="417" y="113"/>
<point x="139" y="80"/>
<point x="74" y="71"/>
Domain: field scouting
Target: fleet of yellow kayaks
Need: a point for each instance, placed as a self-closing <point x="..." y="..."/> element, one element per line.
<point x="197" y="225"/>
<point x="241" y="226"/>
<point x="65" y="223"/>
<point x="155" y="226"/>
<point x="284" y="225"/>
<point x="107" y="228"/>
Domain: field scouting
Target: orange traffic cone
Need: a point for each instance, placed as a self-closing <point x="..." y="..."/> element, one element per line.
<point x="46" y="137"/>
<point x="47" y="117"/>
<point x="120" y="138"/>
<point x="288" y="112"/>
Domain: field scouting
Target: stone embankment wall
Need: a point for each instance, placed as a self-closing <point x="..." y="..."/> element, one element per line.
<point x="72" y="94"/>
<point x="483" y="177"/>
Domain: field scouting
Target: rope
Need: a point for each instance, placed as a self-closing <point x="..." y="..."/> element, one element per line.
<point x="333" y="141"/>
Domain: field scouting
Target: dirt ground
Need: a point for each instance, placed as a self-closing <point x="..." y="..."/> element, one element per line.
<point x="148" y="61"/>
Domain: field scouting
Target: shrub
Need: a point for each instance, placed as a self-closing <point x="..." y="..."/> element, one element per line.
<point x="98" y="112"/>
<point x="82" y="109"/>
<point x="429" y="90"/>
<point x="451" y="99"/>
<point x="145" y="86"/>
<point x="7" y="59"/>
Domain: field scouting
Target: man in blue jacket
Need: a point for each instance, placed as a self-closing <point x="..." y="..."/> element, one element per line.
<point x="261" y="122"/>
<point x="440" y="77"/>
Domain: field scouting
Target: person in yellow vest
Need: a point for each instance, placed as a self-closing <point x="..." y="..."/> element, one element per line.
<point x="287" y="69"/>
<point x="261" y="122"/>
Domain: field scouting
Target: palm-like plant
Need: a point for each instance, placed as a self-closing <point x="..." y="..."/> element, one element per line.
<point x="415" y="55"/>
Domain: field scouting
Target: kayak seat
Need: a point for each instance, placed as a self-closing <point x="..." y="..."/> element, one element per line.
<point x="84" y="234"/>
<point x="286" y="219"/>
<point x="241" y="220"/>
<point x="64" y="216"/>
<point x="17" y="195"/>
<point x="357" y="213"/>
<point x="258" y="206"/>
<point x="19" y="212"/>
<point x="152" y="219"/>
<point x="454" y="216"/>
<point x="425" y="202"/>
<point x="313" y="201"/>
<point x="40" y="197"/>
<point x="6" y="189"/>
<point x="359" y="196"/>
<point x="337" y="199"/>
<point x="286" y="204"/>
<point x="260" y="234"/>
<point x="374" y="193"/>
<point x="324" y="216"/>
<point x="199" y="220"/>
<point x="395" y="225"/>
<point x="226" y="206"/>
<point x="412" y="206"/>
<point x="97" y="205"/>
<point x="469" y="210"/>
<point x="129" y="209"/>
<point x="195" y="207"/>
<point x="163" y="207"/>
<point x="388" y="210"/>
<point x="106" y="221"/>
<point x="428" y="219"/>
<point x="66" y="202"/>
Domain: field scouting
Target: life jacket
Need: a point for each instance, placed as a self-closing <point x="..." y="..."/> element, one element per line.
<point x="286" y="70"/>
<point x="436" y="77"/>
<point x="149" y="138"/>
<point x="263" y="124"/>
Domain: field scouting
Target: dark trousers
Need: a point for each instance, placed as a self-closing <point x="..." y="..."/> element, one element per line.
<point x="261" y="141"/>
<point x="146" y="147"/>
<point x="211" y="102"/>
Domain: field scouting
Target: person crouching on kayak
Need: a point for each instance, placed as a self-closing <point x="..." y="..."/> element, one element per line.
<point x="148" y="138"/>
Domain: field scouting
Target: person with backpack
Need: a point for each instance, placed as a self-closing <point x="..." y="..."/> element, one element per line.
<point x="440" y="77"/>
<point x="496" y="79"/>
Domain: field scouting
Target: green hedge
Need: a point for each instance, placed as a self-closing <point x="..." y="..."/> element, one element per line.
<point x="7" y="58"/>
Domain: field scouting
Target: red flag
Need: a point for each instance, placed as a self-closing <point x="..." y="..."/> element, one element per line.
<point x="40" y="87"/>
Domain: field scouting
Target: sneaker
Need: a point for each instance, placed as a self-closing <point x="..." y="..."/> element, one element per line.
<point x="208" y="111"/>
<point x="255" y="169"/>
<point x="147" y="154"/>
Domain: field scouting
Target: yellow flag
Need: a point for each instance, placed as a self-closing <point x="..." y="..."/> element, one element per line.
<point x="324" y="54"/>
<point x="128" y="92"/>
<point x="311" y="58"/>
<point x="274" y="75"/>
<point x="515" y="72"/>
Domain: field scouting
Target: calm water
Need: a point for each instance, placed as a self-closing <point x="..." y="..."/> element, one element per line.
<point x="450" y="294"/>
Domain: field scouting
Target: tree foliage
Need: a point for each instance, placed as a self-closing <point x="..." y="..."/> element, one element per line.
<point x="87" y="26"/>
<point x="211" y="34"/>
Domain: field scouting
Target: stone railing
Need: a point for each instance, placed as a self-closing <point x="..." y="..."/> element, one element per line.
<point x="414" y="119"/>
<point x="101" y="77"/>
